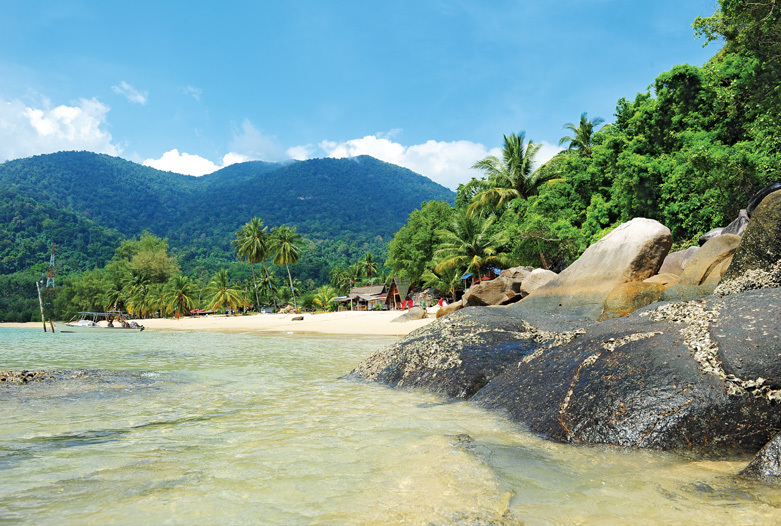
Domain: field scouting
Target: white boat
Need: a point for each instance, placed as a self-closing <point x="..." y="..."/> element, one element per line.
<point x="102" y="322"/>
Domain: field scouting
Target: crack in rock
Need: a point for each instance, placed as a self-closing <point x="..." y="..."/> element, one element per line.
<point x="696" y="336"/>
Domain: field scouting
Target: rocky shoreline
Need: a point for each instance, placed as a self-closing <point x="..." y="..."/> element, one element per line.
<point x="669" y="365"/>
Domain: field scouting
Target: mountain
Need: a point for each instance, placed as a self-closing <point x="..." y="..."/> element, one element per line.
<point x="343" y="206"/>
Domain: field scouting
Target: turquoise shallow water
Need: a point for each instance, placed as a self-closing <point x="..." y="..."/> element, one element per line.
<point x="210" y="428"/>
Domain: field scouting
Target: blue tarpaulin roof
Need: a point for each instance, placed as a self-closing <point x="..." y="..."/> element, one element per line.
<point x="495" y="270"/>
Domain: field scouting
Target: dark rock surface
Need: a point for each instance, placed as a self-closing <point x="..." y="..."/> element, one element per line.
<point x="747" y="333"/>
<point x="651" y="379"/>
<point x="761" y="244"/>
<point x="697" y="376"/>
<point x="455" y="355"/>
<point x="766" y="465"/>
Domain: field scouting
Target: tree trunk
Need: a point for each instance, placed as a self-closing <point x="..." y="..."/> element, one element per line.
<point x="273" y="296"/>
<point x="255" y="283"/>
<point x="544" y="262"/>
<point x="293" y="292"/>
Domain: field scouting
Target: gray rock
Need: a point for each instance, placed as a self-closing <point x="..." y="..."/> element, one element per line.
<point x="674" y="376"/>
<point x="632" y="252"/>
<point x="704" y="269"/>
<point x="675" y="262"/>
<point x="455" y="355"/>
<point x="738" y="225"/>
<point x="536" y="279"/>
<point x="710" y="234"/>
<point x="653" y="379"/>
<point x="415" y="313"/>
<point x="450" y="308"/>
<point x="766" y="465"/>
<point x="498" y="291"/>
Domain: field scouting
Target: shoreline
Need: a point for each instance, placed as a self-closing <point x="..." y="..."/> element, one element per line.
<point x="358" y="323"/>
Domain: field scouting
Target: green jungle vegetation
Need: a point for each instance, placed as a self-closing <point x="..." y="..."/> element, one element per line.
<point x="689" y="152"/>
<point x="95" y="207"/>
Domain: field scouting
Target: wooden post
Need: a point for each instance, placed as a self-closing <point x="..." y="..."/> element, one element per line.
<point x="40" y="302"/>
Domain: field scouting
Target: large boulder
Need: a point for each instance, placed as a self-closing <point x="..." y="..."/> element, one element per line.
<point x="498" y="291"/>
<point x="655" y="379"/>
<point x="704" y="269"/>
<point x="632" y="252"/>
<point x="517" y="273"/>
<point x="700" y="376"/>
<point x="415" y="313"/>
<point x="444" y="310"/>
<point x="536" y="279"/>
<point x="628" y="297"/>
<point x="504" y="289"/>
<point x="761" y="245"/>
<point x="676" y="261"/>
<point x="666" y="279"/>
<point x="455" y="355"/>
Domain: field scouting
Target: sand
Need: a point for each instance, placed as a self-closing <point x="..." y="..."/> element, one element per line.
<point x="350" y="323"/>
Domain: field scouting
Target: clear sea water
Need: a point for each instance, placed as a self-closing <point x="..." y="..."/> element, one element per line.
<point x="210" y="428"/>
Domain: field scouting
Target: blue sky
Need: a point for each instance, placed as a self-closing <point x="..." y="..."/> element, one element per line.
<point x="430" y="85"/>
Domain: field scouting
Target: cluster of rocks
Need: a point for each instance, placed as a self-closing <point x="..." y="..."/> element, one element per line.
<point x="25" y="376"/>
<point x="627" y="346"/>
<point x="12" y="377"/>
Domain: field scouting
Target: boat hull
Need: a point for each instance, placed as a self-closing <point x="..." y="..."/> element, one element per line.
<point x="69" y="327"/>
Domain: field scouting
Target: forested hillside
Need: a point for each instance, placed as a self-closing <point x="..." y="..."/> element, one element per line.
<point x="87" y="203"/>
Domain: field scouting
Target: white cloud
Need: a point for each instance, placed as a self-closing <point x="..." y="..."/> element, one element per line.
<point x="447" y="163"/>
<point x="183" y="163"/>
<point x="26" y="131"/>
<point x="189" y="164"/>
<point x="130" y="93"/>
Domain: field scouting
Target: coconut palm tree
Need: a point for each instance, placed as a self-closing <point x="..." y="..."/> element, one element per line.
<point x="252" y="245"/>
<point x="324" y="297"/>
<point x="137" y="299"/>
<point x="222" y="293"/>
<point x="580" y="139"/>
<point x="445" y="281"/>
<point x="509" y="178"/>
<point x="368" y="266"/>
<point x="286" y="246"/>
<point x="180" y="295"/>
<point x="467" y="244"/>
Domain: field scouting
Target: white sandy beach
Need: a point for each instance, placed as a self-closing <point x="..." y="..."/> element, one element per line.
<point x="358" y="323"/>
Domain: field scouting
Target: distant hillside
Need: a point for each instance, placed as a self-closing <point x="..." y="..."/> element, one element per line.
<point x="344" y="206"/>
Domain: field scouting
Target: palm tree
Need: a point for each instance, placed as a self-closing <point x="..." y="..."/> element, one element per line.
<point x="581" y="134"/>
<point x="339" y="277"/>
<point x="155" y="299"/>
<point x="286" y="246"/>
<point x="468" y="244"/>
<point x="115" y="295"/>
<point x="252" y="245"/>
<point x="179" y="295"/>
<point x="508" y="178"/>
<point x="222" y="294"/>
<point x="446" y="281"/>
<point x="324" y="297"/>
<point x="368" y="266"/>
<point x="137" y="299"/>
